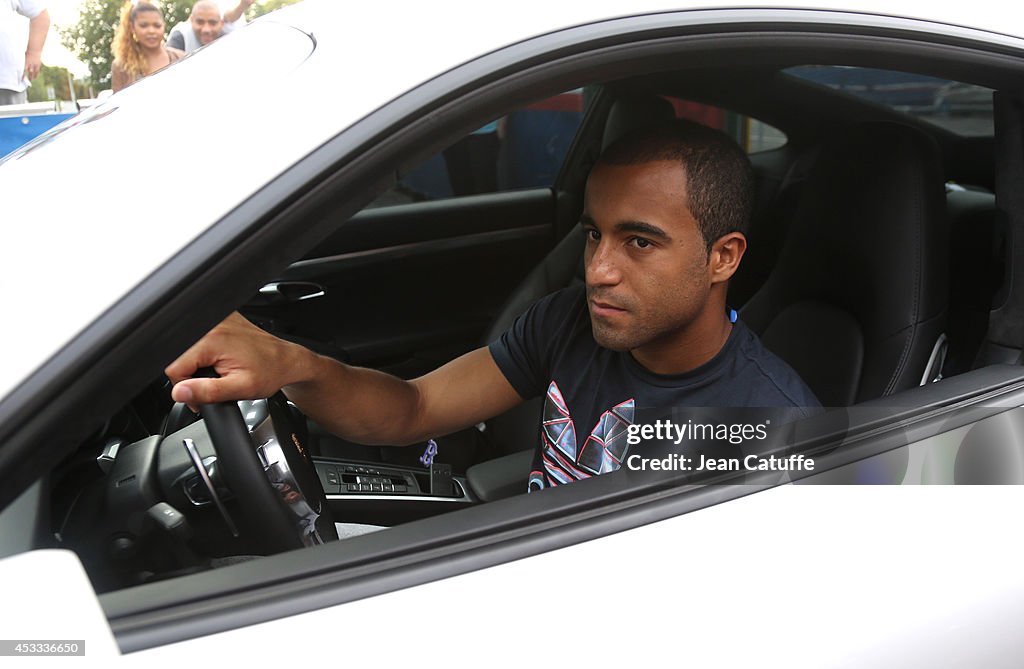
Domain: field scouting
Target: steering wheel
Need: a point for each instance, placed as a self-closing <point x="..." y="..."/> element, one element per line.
<point x="283" y="505"/>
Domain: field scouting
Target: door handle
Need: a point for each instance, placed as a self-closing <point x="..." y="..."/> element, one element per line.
<point x="284" y="292"/>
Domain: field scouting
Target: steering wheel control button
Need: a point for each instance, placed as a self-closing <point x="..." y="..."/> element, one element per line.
<point x="170" y="520"/>
<point x="106" y="459"/>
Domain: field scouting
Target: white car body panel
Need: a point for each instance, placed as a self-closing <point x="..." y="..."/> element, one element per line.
<point x="797" y="576"/>
<point x="48" y="596"/>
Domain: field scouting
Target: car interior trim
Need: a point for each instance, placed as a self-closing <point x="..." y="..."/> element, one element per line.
<point x="316" y="266"/>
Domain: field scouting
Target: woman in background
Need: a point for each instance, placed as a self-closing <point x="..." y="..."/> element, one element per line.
<point x="139" y="48"/>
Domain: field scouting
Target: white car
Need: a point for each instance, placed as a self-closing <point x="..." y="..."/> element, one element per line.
<point x="409" y="181"/>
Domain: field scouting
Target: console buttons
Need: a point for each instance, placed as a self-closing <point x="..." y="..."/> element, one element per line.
<point x="346" y="478"/>
<point x="330" y="485"/>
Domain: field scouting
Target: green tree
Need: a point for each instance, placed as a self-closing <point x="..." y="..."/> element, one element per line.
<point x="50" y="78"/>
<point x="175" y="11"/>
<point x="52" y="84"/>
<point x="90" y="38"/>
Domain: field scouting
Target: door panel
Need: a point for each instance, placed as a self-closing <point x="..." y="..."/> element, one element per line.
<point x="409" y="287"/>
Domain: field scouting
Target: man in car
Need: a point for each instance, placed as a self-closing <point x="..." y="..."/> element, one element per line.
<point x="664" y="215"/>
<point x="205" y="24"/>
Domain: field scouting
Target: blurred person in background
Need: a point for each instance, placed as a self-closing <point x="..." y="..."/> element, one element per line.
<point x="139" y="48"/>
<point x="205" y="24"/>
<point x="20" y="61"/>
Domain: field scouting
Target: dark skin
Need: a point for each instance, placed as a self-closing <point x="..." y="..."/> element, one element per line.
<point x="653" y="289"/>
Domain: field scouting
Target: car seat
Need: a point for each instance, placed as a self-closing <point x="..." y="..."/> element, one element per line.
<point x="858" y="300"/>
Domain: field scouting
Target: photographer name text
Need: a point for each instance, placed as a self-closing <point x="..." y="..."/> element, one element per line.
<point x="751" y="463"/>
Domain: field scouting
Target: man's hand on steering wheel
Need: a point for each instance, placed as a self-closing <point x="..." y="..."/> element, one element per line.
<point x="251" y="363"/>
<point x="283" y="505"/>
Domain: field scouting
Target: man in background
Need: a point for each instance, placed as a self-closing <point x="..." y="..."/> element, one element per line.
<point x="20" y="60"/>
<point x="205" y="24"/>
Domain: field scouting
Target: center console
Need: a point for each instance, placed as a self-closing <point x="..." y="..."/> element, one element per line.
<point x="374" y="493"/>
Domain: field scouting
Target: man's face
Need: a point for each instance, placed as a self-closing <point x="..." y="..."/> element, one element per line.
<point x="647" y="270"/>
<point x="207" y="23"/>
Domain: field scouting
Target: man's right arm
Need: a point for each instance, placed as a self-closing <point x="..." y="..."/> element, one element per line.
<point x="361" y="405"/>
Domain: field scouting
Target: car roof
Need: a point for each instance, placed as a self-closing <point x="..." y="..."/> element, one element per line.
<point x="112" y="194"/>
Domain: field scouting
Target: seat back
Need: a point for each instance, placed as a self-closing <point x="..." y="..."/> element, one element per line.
<point x="858" y="299"/>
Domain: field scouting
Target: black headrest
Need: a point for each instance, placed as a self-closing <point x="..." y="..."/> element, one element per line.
<point x="870" y="238"/>
<point x="630" y="113"/>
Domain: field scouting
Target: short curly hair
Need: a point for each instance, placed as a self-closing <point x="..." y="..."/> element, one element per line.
<point x="719" y="177"/>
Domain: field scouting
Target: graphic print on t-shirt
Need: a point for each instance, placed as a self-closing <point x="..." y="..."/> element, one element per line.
<point x="603" y="451"/>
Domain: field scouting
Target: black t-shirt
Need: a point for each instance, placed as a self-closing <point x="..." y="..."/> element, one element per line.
<point x="550" y="350"/>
